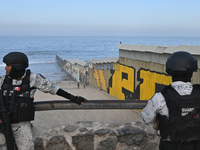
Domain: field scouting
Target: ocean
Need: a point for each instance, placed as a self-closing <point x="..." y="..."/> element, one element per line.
<point x="42" y="51"/>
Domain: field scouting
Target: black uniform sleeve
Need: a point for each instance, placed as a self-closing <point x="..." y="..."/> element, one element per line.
<point x="63" y="93"/>
<point x="75" y="99"/>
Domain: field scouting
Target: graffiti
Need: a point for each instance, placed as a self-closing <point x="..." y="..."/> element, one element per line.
<point x="100" y="79"/>
<point x="103" y="81"/>
<point x="151" y="82"/>
<point x="122" y="82"/>
<point x="96" y="76"/>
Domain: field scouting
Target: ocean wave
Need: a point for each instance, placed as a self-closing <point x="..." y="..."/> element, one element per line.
<point x="37" y="62"/>
<point x="43" y="62"/>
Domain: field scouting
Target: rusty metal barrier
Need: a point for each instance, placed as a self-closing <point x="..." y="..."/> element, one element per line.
<point x="90" y="104"/>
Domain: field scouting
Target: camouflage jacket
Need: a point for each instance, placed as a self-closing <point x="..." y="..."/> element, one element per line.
<point x="37" y="81"/>
<point x="157" y="104"/>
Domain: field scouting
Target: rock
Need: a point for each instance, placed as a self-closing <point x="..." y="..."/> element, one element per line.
<point x="112" y="133"/>
<point x="87" y="135"/>
<point x="108" y="144"/>
<point x="101" y="132"/>
<point x="38" y="144"/>
<point x="58" y="143"/>
<point x="139" y="124"/>
<point x="70" y="128"/>
<point x="131" y="135"/>
<point x="83" y="129"/>
<point x="129" y="129"/>
<point x="83" y="141"/>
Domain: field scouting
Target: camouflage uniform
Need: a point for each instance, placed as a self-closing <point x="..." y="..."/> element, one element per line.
<point x="157" y="103"/>
<point x="22" y="131"/>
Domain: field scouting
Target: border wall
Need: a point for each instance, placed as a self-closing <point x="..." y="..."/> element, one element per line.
<point x="140" y="71"/>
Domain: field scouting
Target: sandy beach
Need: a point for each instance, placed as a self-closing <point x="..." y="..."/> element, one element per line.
<point x="49" y="119"/>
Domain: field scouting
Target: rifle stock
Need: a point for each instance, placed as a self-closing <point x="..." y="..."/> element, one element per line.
<point x="5" y="125"/>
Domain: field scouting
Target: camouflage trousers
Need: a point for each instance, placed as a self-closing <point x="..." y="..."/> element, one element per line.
<point x="22" y="133"/>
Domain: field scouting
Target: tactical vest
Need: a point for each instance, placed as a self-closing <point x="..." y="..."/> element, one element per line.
<point x="17" y="99"/>
<point x="184" y="122"/>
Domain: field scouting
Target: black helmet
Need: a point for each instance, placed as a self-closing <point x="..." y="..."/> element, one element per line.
<point x="181" y="62"/>
<point x="16" y="59"/>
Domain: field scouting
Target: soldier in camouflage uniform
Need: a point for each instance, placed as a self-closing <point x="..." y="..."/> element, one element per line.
<point x="175" y="110"/>
<point x="19" y="86"/>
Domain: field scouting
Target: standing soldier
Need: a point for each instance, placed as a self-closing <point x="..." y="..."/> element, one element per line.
<point x="18" y="87"/>
<point x="177" y="106"/>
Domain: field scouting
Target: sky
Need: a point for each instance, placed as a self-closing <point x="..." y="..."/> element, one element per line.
<point x="166" y="18"/>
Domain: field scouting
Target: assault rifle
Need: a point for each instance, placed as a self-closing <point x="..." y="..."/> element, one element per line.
<point x="5" y="125"/>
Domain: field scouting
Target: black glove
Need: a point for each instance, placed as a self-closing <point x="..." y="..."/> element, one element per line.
<point x="77" y="99"/>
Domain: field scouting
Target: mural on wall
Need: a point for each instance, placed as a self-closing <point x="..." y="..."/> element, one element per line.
<point x="151" y="82"/>
<point x="122" y="82"/>
<point x="101" y="82"/>
<point x="96" y="76"/>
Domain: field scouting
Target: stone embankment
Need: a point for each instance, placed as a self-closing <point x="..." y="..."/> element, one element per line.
<point x="90" y="135"/>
